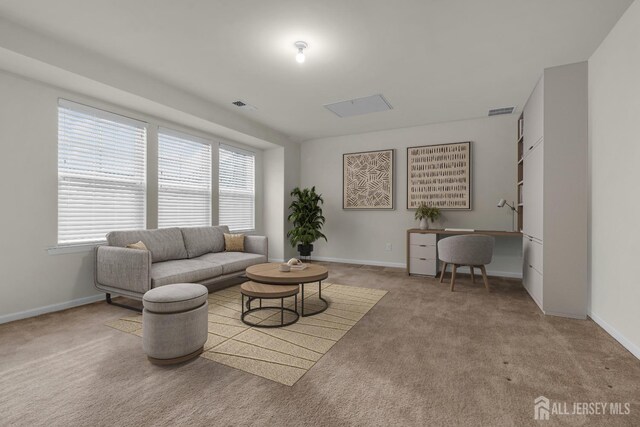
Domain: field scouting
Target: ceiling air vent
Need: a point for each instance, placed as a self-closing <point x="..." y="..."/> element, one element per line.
<point x="501" y="111"/>
<point x="244" y="105"/>
<point x="358" y="106"/>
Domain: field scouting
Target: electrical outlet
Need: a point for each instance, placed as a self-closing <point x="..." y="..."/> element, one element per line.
<point x="388" y="247"/>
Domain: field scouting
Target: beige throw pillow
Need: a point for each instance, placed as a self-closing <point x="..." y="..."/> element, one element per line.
<point x="138" y="245"/>
<point x="234" y="242"/>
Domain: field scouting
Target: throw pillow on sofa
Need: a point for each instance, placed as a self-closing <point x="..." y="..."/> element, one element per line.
<point x="138" y="245"/>
<point x="234" y="242"/>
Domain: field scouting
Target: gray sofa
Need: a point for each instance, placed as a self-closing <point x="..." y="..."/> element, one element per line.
<point x="175" y="255"/>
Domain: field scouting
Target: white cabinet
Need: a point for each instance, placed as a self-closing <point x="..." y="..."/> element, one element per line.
<point x="422" y="239"/>
<point x="423" y="266"/>
<point x="554" y="193"/>
<point x="422" y="254"/>
<point x="533" y="283"/>
<point x="423" y="251"/>
<point x="532" y="255"/>
<point x="533" y="192"/>
<point x="534" y="118"/>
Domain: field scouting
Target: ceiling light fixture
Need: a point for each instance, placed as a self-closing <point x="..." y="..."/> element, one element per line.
<point x="300" y="55"/>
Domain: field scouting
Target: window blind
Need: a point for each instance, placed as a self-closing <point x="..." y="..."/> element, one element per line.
<point x="184" y="180"/>
<point x="237" y="189"/>
<point x="101" y="173"/>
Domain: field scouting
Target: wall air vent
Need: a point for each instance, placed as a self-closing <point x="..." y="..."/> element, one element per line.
<point x="359" y="106"/>
<point x="244" y="105"/>
<point x="501" y="111"/>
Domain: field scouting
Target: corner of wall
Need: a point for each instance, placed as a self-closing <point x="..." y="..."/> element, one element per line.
<point x="612" y="177"/>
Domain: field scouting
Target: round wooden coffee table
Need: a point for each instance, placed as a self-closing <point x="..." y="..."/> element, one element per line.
<point x="270" y="273"/>
<point x="262" y="291"/>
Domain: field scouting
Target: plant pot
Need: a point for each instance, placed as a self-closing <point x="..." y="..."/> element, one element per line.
<point x="305" y="250"/>
<point x="424" y="224"/>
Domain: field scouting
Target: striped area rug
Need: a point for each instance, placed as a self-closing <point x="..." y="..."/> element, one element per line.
<point x="283" y="354"/>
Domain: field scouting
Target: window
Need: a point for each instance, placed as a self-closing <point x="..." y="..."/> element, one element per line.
<point x="101" y="173"/>
<point x="184" y="180"/>
<point x="237" y="188"/>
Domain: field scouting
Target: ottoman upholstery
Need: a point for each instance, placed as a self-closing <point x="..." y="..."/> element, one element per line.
<point x="174" y="298"/>
<point x="175" y="322"/>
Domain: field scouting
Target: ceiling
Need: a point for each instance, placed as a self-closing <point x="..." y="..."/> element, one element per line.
<point x="433" y="60"/>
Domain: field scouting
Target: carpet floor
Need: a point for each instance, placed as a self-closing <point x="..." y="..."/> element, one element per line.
<point x="282" y="354"/>
<point x="421" y="356"/>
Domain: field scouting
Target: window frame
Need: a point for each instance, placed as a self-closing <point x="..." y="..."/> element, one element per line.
<point x="172" y="133"/>
<point x="99" y="113"/>
<point x="241" y="151"/>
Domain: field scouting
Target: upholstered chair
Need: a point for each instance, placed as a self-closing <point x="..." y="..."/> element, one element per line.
<point x="473" y="251"/>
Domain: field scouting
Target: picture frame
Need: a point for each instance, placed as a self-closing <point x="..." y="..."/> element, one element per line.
<point x="368" y="180"/>
<point x="440" y="176"/>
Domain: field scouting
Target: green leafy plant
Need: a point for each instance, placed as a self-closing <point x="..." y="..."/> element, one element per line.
<point x="429" y="212"/>
<point x="306" y="216"/>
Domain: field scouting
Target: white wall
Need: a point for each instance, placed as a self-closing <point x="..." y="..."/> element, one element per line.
<point x="39" y="56"/>
<point x="274" y="201"/>
<point x="32" y="281"/>
<point x="614" y="117"/>
<point x="360" y="236"/>
<point x="281" y="175"/>
<point x="291" y="181"/>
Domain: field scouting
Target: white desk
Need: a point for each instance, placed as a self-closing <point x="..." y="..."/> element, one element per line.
<point x="422" y="250"/>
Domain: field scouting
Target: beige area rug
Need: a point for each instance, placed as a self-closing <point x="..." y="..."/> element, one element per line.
<point x="282" y="354"/>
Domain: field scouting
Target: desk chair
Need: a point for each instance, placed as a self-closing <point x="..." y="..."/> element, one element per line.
<point x="474" y="251"/>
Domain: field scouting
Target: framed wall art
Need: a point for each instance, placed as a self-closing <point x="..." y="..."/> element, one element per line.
<point x="440" y="176"/>
<point x="368" y="180"/>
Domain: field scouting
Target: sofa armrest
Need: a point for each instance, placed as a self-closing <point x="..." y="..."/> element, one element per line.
<point x="123" y="268"/>
<point x="257" y="245"/>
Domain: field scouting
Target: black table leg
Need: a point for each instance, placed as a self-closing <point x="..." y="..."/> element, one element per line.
<point x="282" y="310"/>
<point x="326" y="303"/>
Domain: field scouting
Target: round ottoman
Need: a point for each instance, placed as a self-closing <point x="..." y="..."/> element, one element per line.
<point x="175" y="322"/>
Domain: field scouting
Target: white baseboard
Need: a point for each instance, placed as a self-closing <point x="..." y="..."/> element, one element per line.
<point x="50" y="308"/>
<point x="633" y="348"/>
<point x="567" y="315"/>
<point x="494" y="273"/>
<point x="404" y="266"/>
<point x="360" y="261"/>
<point x="507" y="274"/>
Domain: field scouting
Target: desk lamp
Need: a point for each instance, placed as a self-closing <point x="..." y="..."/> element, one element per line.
<point x="503" y="202"/>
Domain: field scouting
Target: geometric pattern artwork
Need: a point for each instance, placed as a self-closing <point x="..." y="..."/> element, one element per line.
<point x="284" y="354"/>
<point x="368" y="180"/>
<point x="440" y="176"/>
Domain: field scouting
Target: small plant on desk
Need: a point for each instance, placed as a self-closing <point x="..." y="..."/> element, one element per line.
<point x="425" y="213"/>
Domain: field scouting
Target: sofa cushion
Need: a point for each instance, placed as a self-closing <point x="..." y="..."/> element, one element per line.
<point x="201" y="240"/>
<point x="183" y="270"/>
<point x="175" y="298"/>
<point x="164" y="244"/>
<point x="232" y="262"/>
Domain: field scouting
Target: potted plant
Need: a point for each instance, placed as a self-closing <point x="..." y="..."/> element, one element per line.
<point x="425" y="213"/>
<point x="307" y="219"/>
